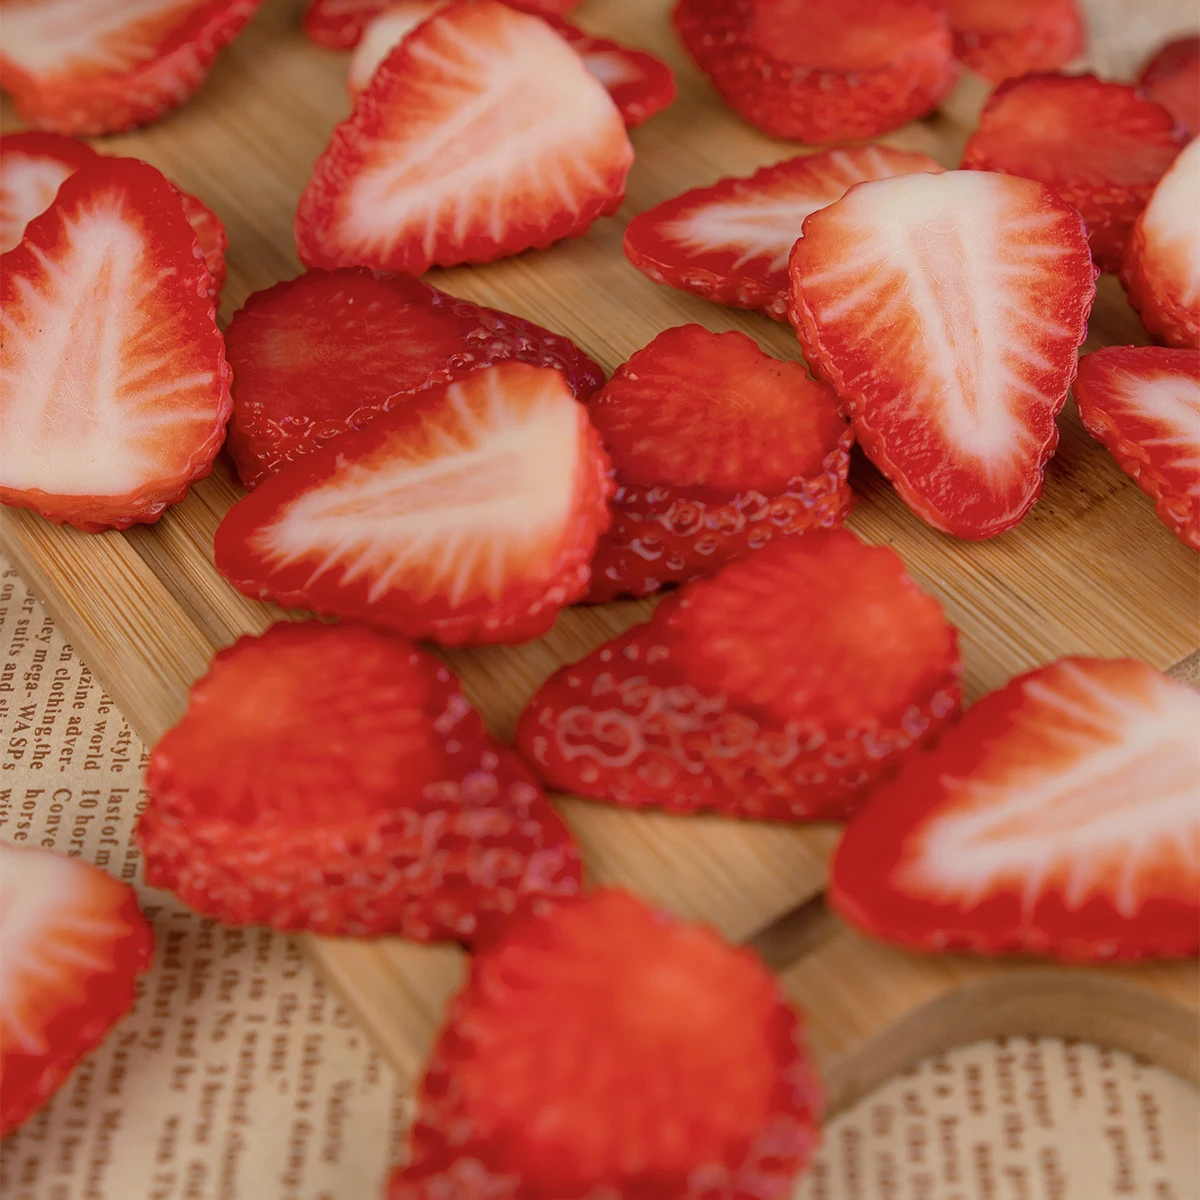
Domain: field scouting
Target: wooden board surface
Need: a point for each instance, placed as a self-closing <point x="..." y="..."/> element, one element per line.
<point x="1091" y="571"/>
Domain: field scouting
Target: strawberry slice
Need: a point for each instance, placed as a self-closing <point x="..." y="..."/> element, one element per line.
<point x="315" y="356"/>
<point x="947" y="311"/>
<point x="778" y="689"/>
<point x="467" y="514"/>
<point x="210" y="236"/>
<point x="581" y="1059"/>
<point x="74" y="944"/>
<point x="717" y="449"/>
<point x="1172" y="78"/>
<point x="452" y="155"/>
<point x="333" y="778"/>
<point x="341" y="24"/>
<point x="1060" y="816"/>
<point x="730" y="242"/>
<point x="1001" y="39"/>
<point x="1101" y="146"/>
<point x="96" y="66"/>
<point x="821" y="72"/>
<point x="114" y="390"/>
<point x="1143" y="403"/>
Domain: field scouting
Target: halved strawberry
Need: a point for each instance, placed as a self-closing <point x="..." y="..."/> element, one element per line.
<point x="1101" y="146"/>
<point x="74" y="944"/>
<point x="819" y="71"/>
<point x="606" y="1049"/>
<point x="1002" y="39"/>
<point x="717" y="448"/>
<point x="453" y="155"/>
<point x="730" y="242"/>
<point x="1172" y="77"/>
<point x="1059" y="816"/>
<point x="467" y="514"/>
<point x="333" y="778"/>
<point x="341" y="24"/>
<point x="114" y="390"/>
<point x="779" y="689"/>
<point x="947" y="312"/>
<point x="96" y="66"/>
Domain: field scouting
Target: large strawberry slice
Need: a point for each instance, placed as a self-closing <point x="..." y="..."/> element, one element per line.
<point x="98" y="66"/>
<point x="114" y="390"/>
<point x="341" y="24"/>
<point x="819" y="70"/>
<point x="717" y="449"/>
<point x="947" y="311"/>
<point x="1002" y="39"/>
<point x="1060" y="816"/>
<point x="74" y="944"/>
<point x="330" y="350"/>
<point x="730" y="242"/>
<point x="453" y="155"/>
<point x="467" y="514"/>
<point x="1172" y="77"/>
<point x="606" y="1049"/>
<point x="780" y="688"/>
<point x="333" y="778"/>
<point x="1101" y="146"/>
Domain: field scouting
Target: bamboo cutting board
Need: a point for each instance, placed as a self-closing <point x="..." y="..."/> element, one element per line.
<point x="1091" y="571"/>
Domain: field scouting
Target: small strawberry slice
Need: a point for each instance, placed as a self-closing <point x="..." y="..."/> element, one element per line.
<point x="1172" y="77"/>
<point x="467" y="514"/>
<point x="1002" y="39"/>
<point x="333" y="778"/>
<point x="330" y="350"/>
<point x="114" y="390"/>
<point x="778" y="689"/>
<point x="1101" y="146"/>
<point x="341" y="24"/>
<point x="947" y="312"/>
<point x="717" y="449"/>
<point x="74" y="944"/>
<point x="1060" y="816"/>
<point x="730" y="242"/>
<point x="452" y="154"/>
<point x="96" y="66"/>
<point x="606" y="1049"/>
<point x="818" y="71"/>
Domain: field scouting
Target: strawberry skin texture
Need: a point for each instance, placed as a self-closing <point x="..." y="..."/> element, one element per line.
<point x="75" y="943"/>
<point x="1060" y="816"/>
<point x="1002" y="39"/>
<point x="577" y="1062"/>
<point x="1172" y="77"/>
<point x="340" y="24"/>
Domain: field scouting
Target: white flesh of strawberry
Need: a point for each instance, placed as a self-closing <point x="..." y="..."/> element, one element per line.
<point x="1172" y="228"/>
<point x="28" y="187"/>
<point x="384" y="32"/>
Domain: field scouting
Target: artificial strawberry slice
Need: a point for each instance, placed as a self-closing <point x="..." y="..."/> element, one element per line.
<point x="947" y="312"/>
<point x="452" y="154"/>
<point x="333" y="778"/>
<point x="114" y="390"/>
<point x="779" y="689"/>
<point x="1172" y="77"/>
<point x="95" y="66"/>
<point x="818" y="71"/>
<point x="717" y="449"/>
<point x="341" y="24"/>
<point x="74" y="944"/>
<point x="1002" y="39"/>
<point x="730" y="242"/>
<point x="1101" y="146"/>
<point x="1060" y="816"/>
<point x="580" y="1060"/>
<point x="468" y="513"/>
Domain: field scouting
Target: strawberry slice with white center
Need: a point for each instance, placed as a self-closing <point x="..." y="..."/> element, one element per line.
<point x="469" y="513"/>
<point x="453" y="155"/>
<point x="1060" y="816"/>
<point x="114" y="390"/>
<point x="947" y="312"/>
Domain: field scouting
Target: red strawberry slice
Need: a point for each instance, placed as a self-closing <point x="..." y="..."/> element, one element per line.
<point x="315" y="356"/>
<point x="818" y="71"/>
<point x="779" y="689"/>
<point x="341" y="24"/>
<point x="467" y="514"/>
<point x="947" y="311"/>
<point x="580" y="1059"/>
<point x="717" y="449"/>
<point x="1002" y="39"/>
<point x="452" y="155"/>
<point x="97" y="66"/>
<point x="1060" y="816"/>
<point x="1101" y="146"/>
<point x="74" y="944"/>
<point x="333" y="778"/>
<point x="1172" y="78"/>
<point x="114" y="390"/>
<point x="1143" y="403"/>
<point x="730" y="242"/>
